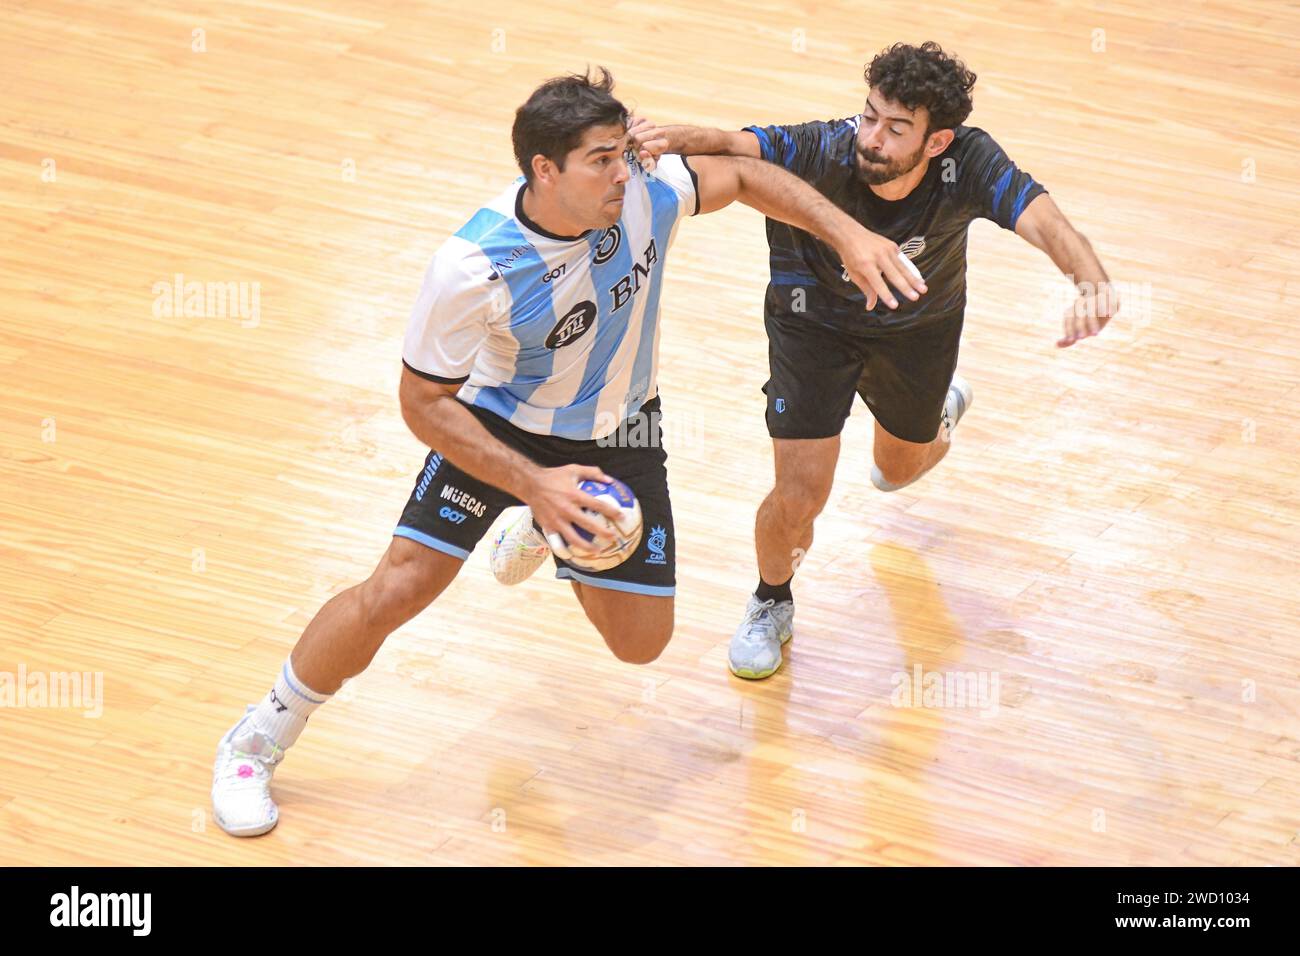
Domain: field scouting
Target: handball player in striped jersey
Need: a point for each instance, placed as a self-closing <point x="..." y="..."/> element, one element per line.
<point x="535" y="337"/>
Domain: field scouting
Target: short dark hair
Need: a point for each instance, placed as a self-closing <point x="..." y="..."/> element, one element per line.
<point x="924" y="76"/>
<point x="555" y="117"/>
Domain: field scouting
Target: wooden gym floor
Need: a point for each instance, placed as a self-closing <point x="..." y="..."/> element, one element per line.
<point x="1113" y="538"/>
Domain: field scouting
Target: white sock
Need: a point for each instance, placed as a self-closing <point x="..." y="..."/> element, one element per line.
<point x="283" y="712"/>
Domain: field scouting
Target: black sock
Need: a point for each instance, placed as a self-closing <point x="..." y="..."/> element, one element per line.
<point x="774" y="592"/>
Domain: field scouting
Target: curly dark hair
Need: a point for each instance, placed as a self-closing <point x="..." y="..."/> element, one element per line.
<point x="559" y="112"/>
<point x="924" y="76"/>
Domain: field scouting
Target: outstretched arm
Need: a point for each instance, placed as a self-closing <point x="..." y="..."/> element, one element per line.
<point x="653" y="141"/>
<point x="873" y="262"/>
<point x="1042" y="224"/>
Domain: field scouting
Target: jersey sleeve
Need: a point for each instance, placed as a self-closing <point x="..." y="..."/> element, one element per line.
<point x="674" y="171"/>
<point x="995" y="187"/>
<point x="450" y="320"/>
<point x="801" y="149"/>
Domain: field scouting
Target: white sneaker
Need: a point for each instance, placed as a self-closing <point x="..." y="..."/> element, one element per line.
<point x="519" y="550"/>
<point x="958" y="402"/>
<point x="755" y="650"/>
<point x="241" y="780"/>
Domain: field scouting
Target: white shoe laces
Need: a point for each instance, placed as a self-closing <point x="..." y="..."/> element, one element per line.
<point x="755" y="613"/>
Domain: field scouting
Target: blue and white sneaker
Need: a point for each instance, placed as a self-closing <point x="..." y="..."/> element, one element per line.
<point x="519" y="550"/>
<point x="755" y="650"/>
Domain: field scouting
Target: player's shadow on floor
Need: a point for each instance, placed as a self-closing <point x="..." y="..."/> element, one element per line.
<point x="834" y="711"/>
<point x="909" y="734"/>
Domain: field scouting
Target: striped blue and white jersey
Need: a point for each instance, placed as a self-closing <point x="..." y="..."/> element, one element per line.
<point x="558" y="335"/>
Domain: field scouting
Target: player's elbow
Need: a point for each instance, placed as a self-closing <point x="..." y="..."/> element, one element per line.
<point x="416" y="419"/>
<point x="408" y="409"/>
<point x="406" y="396"/>
<point x="1065" y="230"/>
<point x="422" y="406"/>
<point x="427" y="420"/>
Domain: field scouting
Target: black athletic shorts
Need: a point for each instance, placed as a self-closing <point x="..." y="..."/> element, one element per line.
<point x="450" y="511"/>
<point x="902" y="376"/>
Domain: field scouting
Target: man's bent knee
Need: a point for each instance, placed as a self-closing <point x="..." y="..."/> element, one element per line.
<point x="639" y="645"/>
<point x="636" y="627"/>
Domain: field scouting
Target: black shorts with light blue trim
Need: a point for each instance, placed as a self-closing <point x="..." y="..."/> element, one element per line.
<point x="450" y="511"/>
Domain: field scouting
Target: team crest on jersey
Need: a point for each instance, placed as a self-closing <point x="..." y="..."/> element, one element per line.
<point x="573" y="326"/>
<point x="608" y="245"/>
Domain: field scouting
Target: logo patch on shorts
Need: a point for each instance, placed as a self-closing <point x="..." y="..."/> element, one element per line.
<point x="780" y="405"/>
<point x="656" y="542"/>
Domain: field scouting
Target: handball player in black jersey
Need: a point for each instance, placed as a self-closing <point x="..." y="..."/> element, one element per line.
<point x="909" y="170"/>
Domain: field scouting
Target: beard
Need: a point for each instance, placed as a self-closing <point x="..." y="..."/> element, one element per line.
<point x="877" y="174"/>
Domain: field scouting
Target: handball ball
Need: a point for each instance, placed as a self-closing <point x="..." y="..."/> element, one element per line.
<point x="626" y="531"/>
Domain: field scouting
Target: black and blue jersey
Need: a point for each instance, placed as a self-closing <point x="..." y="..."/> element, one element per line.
<point x="972" y="179"/>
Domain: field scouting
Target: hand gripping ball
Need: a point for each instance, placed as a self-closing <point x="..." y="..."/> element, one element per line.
<point x="626" y="531"/>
